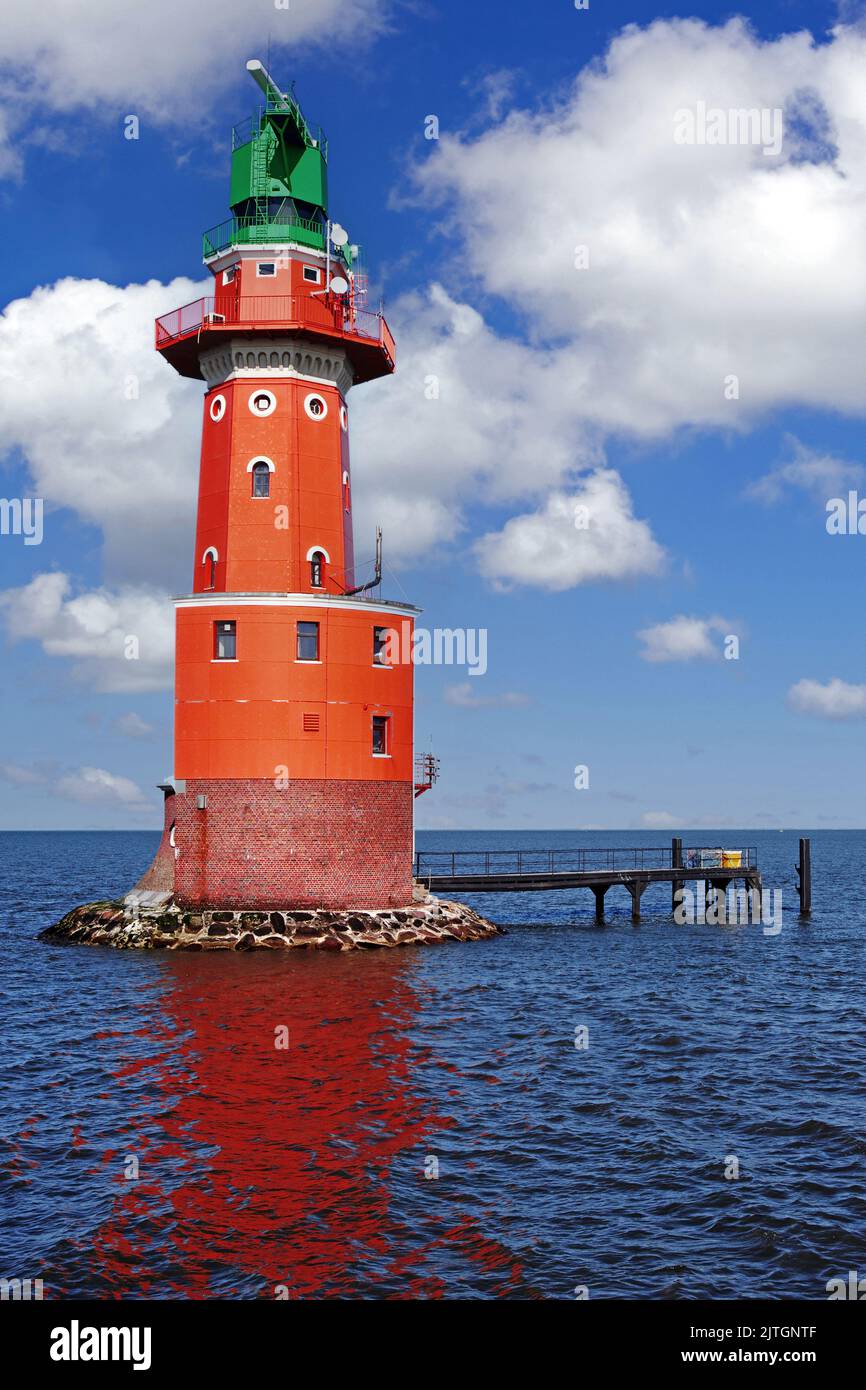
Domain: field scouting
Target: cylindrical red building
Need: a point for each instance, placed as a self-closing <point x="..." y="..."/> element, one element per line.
<point x="293" y="772"/>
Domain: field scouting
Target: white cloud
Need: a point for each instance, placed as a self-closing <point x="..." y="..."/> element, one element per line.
<point x="93" y="786"/>
<point x="132" y="725"/>
<point x="660" y="820"/>
<point x="574" y="538"/>
<point x="683" y="639"/>
<point x="111" y="432"/>
<point x="20" y="776"/>
<point x="465" y="696"/>
<point x="704" y="261"/>
<point x="497" y="89"/>
<point x="164" y="61"/>
<point x="94" y="631"/>
<point x="116" y="437"/>
<point x="809" y="470"/>
<point x="469" y="415"/>
<point x="836" y="699"/>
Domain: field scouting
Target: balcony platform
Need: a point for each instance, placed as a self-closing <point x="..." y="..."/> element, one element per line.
<point x="183" y="334"/>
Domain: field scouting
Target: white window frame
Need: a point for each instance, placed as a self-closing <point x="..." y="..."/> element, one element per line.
<point x="251" y="469"/>
<point x="211" y="554"/>
<point x="388" y="735"/>
<point x="222" y="659"/>
<point x="308" y="660"/>
<point x="254" y="396"/>
<point x="381" y="665"/>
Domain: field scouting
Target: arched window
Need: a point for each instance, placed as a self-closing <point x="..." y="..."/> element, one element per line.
<point x="209" y="560"/>
<point x="261" y="480"/>
<point x="347" y="493"/>
<point x="317" y="570"/>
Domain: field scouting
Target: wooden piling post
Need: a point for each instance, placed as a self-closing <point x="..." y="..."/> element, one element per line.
<point x="804" y="870"/>
<point x="676" y="863"/>
<point x="636" y="891"/>
<point x="712" y="888"/>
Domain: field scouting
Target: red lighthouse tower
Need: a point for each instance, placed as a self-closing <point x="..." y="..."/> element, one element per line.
<point x="293" y="773"/>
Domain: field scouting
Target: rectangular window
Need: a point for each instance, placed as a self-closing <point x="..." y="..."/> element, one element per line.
<point x="229" y="275"/>
<point x="311" y="274"/>
<point x="380" y="639"/>
<point x="266" y="268"/>
<point x="381" y="735"/>
<point x="308" y="641"/>
<point x="225" y="641"/>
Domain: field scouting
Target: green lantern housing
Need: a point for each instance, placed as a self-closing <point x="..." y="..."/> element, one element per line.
<point x="279" y="177"/>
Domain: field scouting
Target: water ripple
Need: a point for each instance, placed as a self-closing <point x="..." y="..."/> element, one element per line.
<point x="432" y="1130"/>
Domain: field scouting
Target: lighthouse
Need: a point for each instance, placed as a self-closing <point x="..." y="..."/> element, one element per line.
<point x="288" y="821"/>
<point x="293" y="763"/>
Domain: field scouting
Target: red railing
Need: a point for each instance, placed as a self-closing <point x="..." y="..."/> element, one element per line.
<point x="278" y="310"/>
<point x="182" y="321"/>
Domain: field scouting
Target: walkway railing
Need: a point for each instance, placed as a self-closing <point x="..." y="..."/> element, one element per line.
<point x="460" y="863"/>
<point x="276" y="310"/>
<point x="258" y="229"/>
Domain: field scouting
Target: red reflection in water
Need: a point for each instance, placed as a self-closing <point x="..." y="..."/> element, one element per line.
<point x="283" y="1158"/>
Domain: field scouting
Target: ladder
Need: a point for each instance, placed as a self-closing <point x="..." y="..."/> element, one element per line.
<point x="359" y="282"/>
<point x="262" y="150"/>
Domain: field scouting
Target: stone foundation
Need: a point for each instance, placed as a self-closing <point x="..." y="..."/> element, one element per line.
<point x="141" y="925"/>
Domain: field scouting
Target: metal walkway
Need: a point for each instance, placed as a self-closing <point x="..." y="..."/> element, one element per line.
<point x="540" y="871"/>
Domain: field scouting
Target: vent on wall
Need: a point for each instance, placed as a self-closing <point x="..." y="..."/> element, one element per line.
<point x="311" y="723"/>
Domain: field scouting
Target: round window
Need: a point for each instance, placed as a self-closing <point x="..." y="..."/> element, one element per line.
<point x="316" y="407"/>
<point x="344" y="417"/>
<point x="263" y="402"/>
<point x="218" y="407"/>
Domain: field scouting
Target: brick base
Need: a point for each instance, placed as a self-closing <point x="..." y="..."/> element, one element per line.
<point x="318" y="843"/>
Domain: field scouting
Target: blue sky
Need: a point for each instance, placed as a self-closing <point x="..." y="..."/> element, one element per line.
<point x="603" y="385"/>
